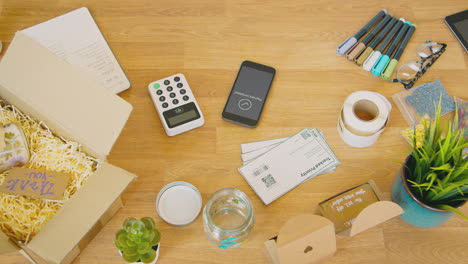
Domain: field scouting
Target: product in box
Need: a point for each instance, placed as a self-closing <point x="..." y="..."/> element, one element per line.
<point x="76" y="109"/>
<point x="14" y="149"/>
<point x="422" y="100"/>
<point x="22" y="216"/>
<point x="358" y="209"/>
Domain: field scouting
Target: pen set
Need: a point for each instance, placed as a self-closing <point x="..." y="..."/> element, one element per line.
<point x="380" y="50"/>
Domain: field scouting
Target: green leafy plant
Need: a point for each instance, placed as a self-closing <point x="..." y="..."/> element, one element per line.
<point x="136" y="239"/>
<point x="438" y="169"/>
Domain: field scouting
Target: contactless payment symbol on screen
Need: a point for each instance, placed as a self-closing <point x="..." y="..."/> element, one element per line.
<point x="245" y="104"/>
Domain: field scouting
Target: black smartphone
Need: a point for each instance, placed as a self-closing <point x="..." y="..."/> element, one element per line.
<point x="458" y="23"/>
<point x="249" y="93"/>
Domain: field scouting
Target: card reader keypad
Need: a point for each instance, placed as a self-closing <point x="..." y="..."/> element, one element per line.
<point x="165" y="90"/>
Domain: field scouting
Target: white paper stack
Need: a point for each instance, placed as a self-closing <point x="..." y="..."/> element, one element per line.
<point x="274" y="167"/>
<point x="76" y="38"/>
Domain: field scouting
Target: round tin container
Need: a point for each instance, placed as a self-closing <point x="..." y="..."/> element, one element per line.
<point x="179" y="203"/>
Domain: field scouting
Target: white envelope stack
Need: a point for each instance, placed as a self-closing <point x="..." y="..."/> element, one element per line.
<point x="274" y="167"/>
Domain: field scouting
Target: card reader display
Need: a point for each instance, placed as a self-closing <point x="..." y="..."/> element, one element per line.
<point x="181" y="115"/>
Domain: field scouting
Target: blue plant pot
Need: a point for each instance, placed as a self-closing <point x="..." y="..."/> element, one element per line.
<point x="416" y="213"/>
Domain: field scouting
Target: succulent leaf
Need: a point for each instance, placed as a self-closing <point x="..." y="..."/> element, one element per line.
<point x="130" y="250"/>
<point x="143" y="247"/>
<point x="149" y="223"/>
<point x="156" y="238"/>
<point x="148" y="256"/>
<point x="131" y="258"/>
<point x="130" y="243"/>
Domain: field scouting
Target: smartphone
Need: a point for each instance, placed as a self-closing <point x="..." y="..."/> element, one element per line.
<point x="458" y="23"/>
<point x="248" y="94"/>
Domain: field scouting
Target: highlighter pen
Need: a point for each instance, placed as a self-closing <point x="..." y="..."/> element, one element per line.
<point x="357" y="50"/>
<point x="380" y="65"/>
<point x="375" y="55"/>
<point x="348" y="43"/>
<point x="387" y="73"/>
<point x="359" y="60"/>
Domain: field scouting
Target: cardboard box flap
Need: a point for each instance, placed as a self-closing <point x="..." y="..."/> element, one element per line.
<point x="70" y="102"/>
<point x="299" y="226"/>
<point x="271" y="251"/>
<point x="373" y="215"/>
<point x="305" y="239"/>
<point x="80" y="213"/>
<point x="6" y="245"/>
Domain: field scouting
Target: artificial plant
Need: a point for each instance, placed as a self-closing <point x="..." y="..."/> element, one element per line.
<point x="437" y="171"/>
<point x="137" y="238"/>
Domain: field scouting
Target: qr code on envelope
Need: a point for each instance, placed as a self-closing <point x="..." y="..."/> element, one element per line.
<point x="269" y="181"/>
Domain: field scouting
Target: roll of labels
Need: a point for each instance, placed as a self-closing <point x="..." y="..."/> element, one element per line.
<point x="363" y="118"/>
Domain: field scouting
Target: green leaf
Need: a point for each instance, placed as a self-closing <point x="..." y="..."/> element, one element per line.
<point x="118" y="245"/>
<point x="128" y="224"/>
<point x="431" y="177"/>
<point x="444" y="167"/>
<point x="453" y="209"/>
<point x="137" y="227"/>
<point x="131" y="258"/>
<point x="130" y="251"/>
<point x="147" y="235"/>
<point x="121" y="234"/>
<point x="148" y="222"/>
<point x="156" y="238"/>
<point x="143" y="247"/>
<point x="149" y="256"/>
<point x="121" y="238"/>
<point x="130" y="243"/>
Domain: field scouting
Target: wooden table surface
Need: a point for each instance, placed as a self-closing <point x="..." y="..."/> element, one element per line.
<point x="207" y="41"/>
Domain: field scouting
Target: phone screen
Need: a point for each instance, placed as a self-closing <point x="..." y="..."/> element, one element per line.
<point x="249" y="93"/>
<point x="458" y="23"/>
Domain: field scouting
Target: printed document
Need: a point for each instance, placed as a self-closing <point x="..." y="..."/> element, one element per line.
<point x="76" y="38"/>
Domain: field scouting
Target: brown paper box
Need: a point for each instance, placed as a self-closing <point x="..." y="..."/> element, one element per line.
<point x="304" y="239"/>
<point x="311" y="238"/>
<point x="76" y="107"/>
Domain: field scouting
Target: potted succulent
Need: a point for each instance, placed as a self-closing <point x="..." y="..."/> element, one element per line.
<point x="138" y="240"/>
<point x="433" y="181"/>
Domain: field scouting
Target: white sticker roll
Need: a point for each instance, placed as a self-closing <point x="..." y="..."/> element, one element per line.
<point x="363" y="118"/>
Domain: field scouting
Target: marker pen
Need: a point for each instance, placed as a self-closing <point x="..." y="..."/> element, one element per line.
<point x="399" y="28"/>
<point x="383" y="60"/>
<point x="348" y="43"/>
<point x="361" y="58"/>
<point x="360" y="47"/>
<point x="387" y="73"/>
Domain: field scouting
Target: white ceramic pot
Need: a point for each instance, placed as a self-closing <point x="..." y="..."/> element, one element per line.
<point x="155" y="259"/>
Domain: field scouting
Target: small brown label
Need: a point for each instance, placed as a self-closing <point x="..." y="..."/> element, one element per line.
<point x="36" y="183"/>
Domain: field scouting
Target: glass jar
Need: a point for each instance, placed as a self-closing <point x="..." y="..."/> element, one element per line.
<point x="228" y="218"/>
<point x="14" y="149"/>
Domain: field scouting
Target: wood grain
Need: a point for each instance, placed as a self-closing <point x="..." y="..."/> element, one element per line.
<point x="207" y="40"/>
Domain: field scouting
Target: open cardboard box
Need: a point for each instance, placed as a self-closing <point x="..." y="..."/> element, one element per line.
<point x="309" y="238"/>
<point x="76" y="107"/>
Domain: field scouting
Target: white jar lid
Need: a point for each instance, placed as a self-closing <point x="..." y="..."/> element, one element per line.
<point x="179" y="203"/>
